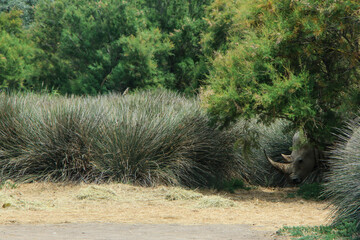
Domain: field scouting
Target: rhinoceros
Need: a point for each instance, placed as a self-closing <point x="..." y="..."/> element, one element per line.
<point x="302" y="161"/>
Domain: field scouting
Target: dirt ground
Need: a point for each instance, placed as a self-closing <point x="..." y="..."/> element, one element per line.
<point x="113" y="231"/>
<point x="158" y="209"/>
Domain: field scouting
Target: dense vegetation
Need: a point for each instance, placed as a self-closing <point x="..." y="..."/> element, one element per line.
<point x="254" y="166"/>
<point x="146" y="138"/>
<point x="296" y="60"/>
<point x="290" y="59"/>
<point x="91" y="47"/>
<point x="279" y="66"/>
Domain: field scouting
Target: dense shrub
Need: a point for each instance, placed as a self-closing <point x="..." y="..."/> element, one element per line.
<point x="285" y="59"/>
<point x="145" y="138"/>
<point x="343" y="180"/>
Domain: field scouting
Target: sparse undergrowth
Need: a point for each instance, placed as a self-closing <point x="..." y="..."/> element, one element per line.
<point x="311" y="191"/>
<point x="8" y="184"/>
<point x="231" y="185"/>
<point x="344" y="230"/>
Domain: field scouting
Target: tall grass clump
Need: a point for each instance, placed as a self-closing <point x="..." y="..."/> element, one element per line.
<point x="51" y="138"/>
<point x="343" y="179"/>
<point x="148" y="137"/>
<point x="161" y="137"/>
<point x="8" y="128"/>
<point x="253" y="138"/>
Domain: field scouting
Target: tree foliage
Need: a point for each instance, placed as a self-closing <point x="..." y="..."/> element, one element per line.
<point x="183" y="22"/>
<point x="296" y="60"/>
<point x="99" y="46"/>
<point x="16" y="52"/>
<point x="227" y="22"/>
<point x="25" y="6"/>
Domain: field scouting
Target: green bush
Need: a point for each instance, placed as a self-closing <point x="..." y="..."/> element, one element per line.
<point x="343" y="180"/>
<point x="285" y="59"/>
<point x="145" y="138"/>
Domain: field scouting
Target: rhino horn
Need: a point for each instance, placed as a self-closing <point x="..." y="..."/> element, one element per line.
<point x="287" y="158"/>
<point x="284" y="167"/>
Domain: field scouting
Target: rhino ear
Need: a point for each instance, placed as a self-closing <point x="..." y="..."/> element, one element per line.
<point x="287" y="158"/>
<point x="284" y="167"/>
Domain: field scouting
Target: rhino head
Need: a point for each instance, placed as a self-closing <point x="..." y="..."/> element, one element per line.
<point x="300" y="163"/>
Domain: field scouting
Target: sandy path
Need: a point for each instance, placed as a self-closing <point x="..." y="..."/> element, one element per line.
<point x="261" y="211"/>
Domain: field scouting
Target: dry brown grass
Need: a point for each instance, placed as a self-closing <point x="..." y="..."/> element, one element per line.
<point x="38" y="203"/>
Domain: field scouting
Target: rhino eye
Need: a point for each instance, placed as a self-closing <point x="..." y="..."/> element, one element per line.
<point x="300" y="161"/>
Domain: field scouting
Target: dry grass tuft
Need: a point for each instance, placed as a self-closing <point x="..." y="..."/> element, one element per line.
<point x="96" y="193"/>
<point x="8" y="201"/>
<point x="177" y="193"/>
<point x="215" y="202"/>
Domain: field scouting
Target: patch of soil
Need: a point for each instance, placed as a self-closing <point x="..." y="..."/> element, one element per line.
<point x="262" y="208"/>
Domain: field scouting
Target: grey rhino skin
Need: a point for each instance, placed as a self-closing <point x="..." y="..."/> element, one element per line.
<point x="302" y="161"/>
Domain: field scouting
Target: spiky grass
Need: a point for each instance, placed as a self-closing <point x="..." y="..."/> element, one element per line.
<point x="147" y="138"/>
<point x="343" y="180"/>
<point x="52" y="140"/>
<point x="253" y="137"/>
